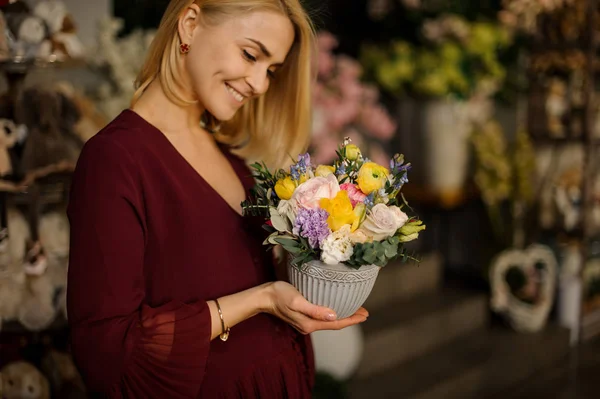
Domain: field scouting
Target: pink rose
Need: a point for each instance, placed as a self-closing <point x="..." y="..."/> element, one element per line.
<point x="356" y="196"/>
<point x="309" y="194"/>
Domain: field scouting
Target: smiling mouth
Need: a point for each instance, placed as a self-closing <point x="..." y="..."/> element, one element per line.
<point x="235" y="94"/>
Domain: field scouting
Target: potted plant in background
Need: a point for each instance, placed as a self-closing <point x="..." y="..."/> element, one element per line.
<point x="444" y="83"/>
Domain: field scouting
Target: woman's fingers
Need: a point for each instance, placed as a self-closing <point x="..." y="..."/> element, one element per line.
<point x="315" y="312"/>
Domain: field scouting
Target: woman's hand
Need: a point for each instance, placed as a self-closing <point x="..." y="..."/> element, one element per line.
<point x="289" y="305"/>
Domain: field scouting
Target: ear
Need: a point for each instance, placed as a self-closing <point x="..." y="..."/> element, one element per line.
<point x="188" y="22"/>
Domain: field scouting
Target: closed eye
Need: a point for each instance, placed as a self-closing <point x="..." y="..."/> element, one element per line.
<point x="249" y="56"/>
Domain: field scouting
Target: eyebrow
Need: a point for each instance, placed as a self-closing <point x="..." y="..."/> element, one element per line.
<point x="261" y="46"/>
<point x="264" y="50"/>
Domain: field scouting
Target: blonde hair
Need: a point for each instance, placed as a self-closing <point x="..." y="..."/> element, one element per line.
<point x="274" y="127"/>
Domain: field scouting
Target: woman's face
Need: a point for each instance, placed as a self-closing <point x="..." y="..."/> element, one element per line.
<point x="236" y="60"/>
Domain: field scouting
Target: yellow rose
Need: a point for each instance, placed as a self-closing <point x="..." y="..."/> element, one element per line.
<point x="371" y="177"/>
<point x="303" y="178"/>
<point x="324" y="170"/>
<point x="352" y="152"/>
<point x="340" y="211"/>
<point x="284" y="188"/>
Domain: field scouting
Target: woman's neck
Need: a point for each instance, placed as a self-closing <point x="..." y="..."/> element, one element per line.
<point x="170" y="118"/>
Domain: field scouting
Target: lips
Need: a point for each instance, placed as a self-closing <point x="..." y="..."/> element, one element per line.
<point x="239" y="97"/>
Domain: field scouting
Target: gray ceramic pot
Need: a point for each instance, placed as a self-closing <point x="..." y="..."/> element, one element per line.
<point x="337" y="287"/>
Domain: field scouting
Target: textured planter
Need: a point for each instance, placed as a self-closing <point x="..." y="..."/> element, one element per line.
<point x="338" y="287"/>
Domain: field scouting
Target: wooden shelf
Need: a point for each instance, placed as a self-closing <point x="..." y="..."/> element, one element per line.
<point x="34" y="176"/>
<point x="563" y="140"/>
<point x="24" y="65"/>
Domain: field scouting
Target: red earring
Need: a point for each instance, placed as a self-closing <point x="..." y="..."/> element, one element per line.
<point x="184" y="48"/>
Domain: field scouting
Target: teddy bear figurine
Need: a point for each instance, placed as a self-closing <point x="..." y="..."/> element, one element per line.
<point x="62" y="31"/>
<point x="26" y="32"/>
<point x="22" y="380"/>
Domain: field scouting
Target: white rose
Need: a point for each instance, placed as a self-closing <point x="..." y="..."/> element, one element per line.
<point x="289" y="209"/>
<point x="309" y="194"/>
<point x="383" y="222"/>
<point x="337" y="248"/>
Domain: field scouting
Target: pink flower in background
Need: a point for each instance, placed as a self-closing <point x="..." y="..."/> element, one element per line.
<point x="351" y="90"/>
<point x="326" y="64"/>
<point x="356" y="196"/>
<point x="325" y="59"/>
<point x="342" y="113"/>
<point x="325" y="147"/>
<point x="326" y="41"/>
<point x="376" y="120"/>
<point x="378" y="155"/>
<point x="343" y="105"/>
<point x="348" y="68"/>
<point x="370" y="94"/>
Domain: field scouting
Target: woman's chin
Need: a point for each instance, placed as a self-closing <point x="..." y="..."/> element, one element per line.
<point x="223" y="114"/>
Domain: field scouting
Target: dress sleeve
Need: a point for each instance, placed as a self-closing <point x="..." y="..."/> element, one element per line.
<point x="121" y="346"/>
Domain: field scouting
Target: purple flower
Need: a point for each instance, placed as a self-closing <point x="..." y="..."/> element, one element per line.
<point x="312" y="224"/>
<point x="304" y="160"/>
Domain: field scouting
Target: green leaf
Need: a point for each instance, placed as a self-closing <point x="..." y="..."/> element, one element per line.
<point x="370" y="257"/>
<point x="279" y="222"/>
<point x="271" y="239"/>
<point x="299" y="260"/>
<point x="268" y="228"/>
<point x="287" y="242"/>
<point x="292" y="250"/>
<point x="391" y="251"/>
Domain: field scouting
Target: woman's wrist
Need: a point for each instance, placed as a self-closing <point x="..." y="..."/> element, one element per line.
<point x="265" y="298"/>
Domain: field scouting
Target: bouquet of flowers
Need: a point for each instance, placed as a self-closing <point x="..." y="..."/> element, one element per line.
<point x="351" y="212"/>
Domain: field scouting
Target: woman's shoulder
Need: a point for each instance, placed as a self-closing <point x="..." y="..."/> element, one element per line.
<point x="123" y="136"/>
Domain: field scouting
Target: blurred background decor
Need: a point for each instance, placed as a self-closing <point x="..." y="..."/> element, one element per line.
<point x="496" y="99"/>
<point x="344" y="106"/>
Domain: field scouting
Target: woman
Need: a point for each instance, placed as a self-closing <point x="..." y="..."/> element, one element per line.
<point x="162" y="262"/>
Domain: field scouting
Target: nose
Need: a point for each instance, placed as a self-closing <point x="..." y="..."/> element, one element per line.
<point x="258" y="81"/>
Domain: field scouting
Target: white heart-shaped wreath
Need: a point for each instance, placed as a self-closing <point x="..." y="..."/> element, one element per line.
<point x="523" y="316"/>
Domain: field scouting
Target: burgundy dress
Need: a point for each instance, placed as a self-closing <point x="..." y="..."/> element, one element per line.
<point x="151" y="242"/>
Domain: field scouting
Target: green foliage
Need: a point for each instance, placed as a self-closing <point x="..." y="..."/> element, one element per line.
<point x="379" y="253"/>
<point x="262" y="195"/>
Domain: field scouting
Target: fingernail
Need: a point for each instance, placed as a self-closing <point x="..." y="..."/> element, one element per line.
<point x="331" y="316"/>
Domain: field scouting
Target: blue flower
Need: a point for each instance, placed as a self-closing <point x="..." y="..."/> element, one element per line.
<point x="294" y="172"/>
<point x="341" y="170"/>
<point x="370" y="200"/>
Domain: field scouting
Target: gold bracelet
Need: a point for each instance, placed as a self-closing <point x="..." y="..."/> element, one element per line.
<point x="225" y="334"/>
